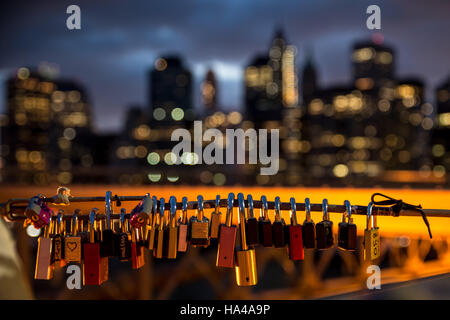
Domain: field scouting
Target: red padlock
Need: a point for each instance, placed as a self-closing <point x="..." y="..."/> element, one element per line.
<point x="91" y="255"/>
<point x="295" y="246"/>
<point x="227" y="238"/>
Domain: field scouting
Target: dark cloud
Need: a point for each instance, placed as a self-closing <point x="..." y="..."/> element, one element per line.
<point x="119" y="40"/>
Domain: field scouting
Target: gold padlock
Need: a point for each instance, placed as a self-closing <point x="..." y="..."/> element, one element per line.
<point x="372" y="248"/>
<point x="246" y="274"/>
<point x="200" y="227"/>
<point x="215" y="220"/>
<point x="172" y="231"/>
<point x="158" y="251"/>
<point x="72" y="243"/>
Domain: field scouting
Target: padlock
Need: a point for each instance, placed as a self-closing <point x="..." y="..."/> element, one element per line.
<point x="151" y="228"/>
<point x="183" y="227"/>
<point x="200" y="227"/>
<point x="83" y="230"/>
<point x="33" y="208"/>
<point x="104" y="261"/>
<point x="251" y="224"/>
<point x="278" y="227"/>
<point x="246" y="273"/>
<point x="137" y="252"/>
<point x="158" y="251"/>
<point x="295" y="243"/>
<point x="44" y="266"/>
<point x="215" y="220"/>
<point x="72" y="243"/>
<point x="265" y="225"/>
<point x="57" y="240"/>
<point x="141" y="213"/>
<point x="227" y="238"/>
<point x="122" y="243"/>
<point x="172" y="231"/>
<point x="347" y="232"/>
<point x="108" y="239"/>
<point x="38" y="212"/>
<point x="372" y="249"/>
<point x="91" y="255"/>
<point x="309" y="228"/>
<point x="324" y="229"/>
<point x="63" y="233"/>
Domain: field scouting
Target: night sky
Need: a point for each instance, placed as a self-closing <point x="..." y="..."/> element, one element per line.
<point x="119" y="41"/>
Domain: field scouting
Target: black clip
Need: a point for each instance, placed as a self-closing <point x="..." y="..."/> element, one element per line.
<point x="398" y="205"/>
<point x="118" y="202"/>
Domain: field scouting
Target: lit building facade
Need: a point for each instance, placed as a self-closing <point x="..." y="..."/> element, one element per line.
<point x="440" y="145"/>
<point x="377" y="123"/>
<point x="48" y="122"/>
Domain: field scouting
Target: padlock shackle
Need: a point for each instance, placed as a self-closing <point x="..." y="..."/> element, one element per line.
<point x="184" y="210"/>
<point x="326" y="215"/>
<point x="370" y="216"/>
<point x="91" y="228"/>
<point x="251" y="213"/>
<point x="108" y="209"/>
<point x="308" y="209"/>
<point x="293" y="212"/>
<point x="348" y="211"/>
<point x="216" y="204"/>
<point x="161" y="213"/>
<point x="173" y="211"/>
<point x="59" y="220"/>
<point x="241" y="202"/>
<point x="122" y="219"/>
<point x="229" y="215"/>
<point x="277" y="209"/>
<point x="264" y="208"/>
<point x="74" y="225"/>
<point x="47" y="228"/>
<point x="200" y="208"/>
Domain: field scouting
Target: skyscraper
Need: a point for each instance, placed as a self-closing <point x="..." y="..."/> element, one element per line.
<point x="47" y="122"/>
<point x="209" y="92"/>
<point x="441" y="133"/>
<point x="271" y="82"/>
<point x="170" y="91"/>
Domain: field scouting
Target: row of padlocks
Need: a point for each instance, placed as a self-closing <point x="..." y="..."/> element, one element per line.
<point x="151" y="226"/>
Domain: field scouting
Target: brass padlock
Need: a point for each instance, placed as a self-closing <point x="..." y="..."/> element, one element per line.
<point x="72" y="243"/>
<point x="246" y="273"/>
<point x="372" y="249"/>
<point x="215" y="220"/>
<point x="172" y="231"/>
<point x="183" y="227"/>
<point x="44" y="266"/>
<point x="151" y="228"/>
<point x="158" y="251"/>
<point x="200" y="227"/>
<point x="227" y="238"/>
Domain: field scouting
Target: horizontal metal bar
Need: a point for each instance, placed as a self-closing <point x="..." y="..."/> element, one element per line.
<point x="14" y="211"/>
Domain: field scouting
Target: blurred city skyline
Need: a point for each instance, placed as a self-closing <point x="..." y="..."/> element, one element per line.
<point x="115" y="49"/>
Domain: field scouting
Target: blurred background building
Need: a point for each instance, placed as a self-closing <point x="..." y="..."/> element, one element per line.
<point x="376" y="129"/>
